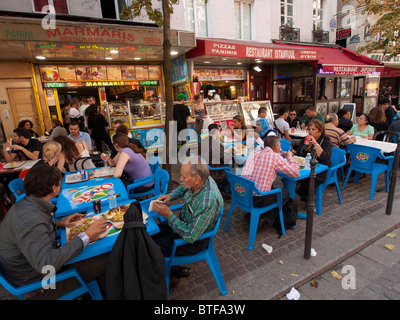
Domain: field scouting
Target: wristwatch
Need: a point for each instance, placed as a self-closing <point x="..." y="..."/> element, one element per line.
<point x="85" y="239"/>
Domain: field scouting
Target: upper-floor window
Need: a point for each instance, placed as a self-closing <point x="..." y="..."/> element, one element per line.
<point x="287" y="13"/>
<point x="196" y="17"/>
<point x="243" y="20"/>
<point x="317" y="14"/>
<point x="60" y="6"/>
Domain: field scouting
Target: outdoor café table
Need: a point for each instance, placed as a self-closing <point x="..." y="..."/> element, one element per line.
<point x="17" y="166"/>
<point x="386" y="147"/>
<point x="78" y="197"/>
<point x="289" y="184"/>
<point x="105" y="244"/>
<point x="298" y="133"/>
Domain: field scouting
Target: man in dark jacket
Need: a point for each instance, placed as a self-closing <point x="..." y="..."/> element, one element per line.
<point x="28" y="237"/>
<point x="180" y="113"/>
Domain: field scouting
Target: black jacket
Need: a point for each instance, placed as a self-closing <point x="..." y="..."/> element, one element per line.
<point x="136" y="266"/>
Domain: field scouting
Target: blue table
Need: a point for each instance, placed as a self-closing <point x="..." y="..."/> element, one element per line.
<point x="78" y="197"/>
<point x="289" y="184"/>
<point x="106" y="244"/>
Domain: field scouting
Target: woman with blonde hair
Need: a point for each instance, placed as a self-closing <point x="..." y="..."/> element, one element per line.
<point x="51" y="153"/>
<point x="129" y="159"/>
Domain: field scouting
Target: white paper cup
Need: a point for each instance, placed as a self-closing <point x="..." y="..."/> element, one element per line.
<point x="267" y="248"/>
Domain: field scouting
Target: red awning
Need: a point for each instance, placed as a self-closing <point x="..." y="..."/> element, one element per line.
<point x="390" y="72"/>
<point x="343" y="61"/>
<point x="251" y="50"/>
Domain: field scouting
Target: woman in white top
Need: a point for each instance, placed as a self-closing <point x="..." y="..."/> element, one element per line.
<point x="71" y="152"/>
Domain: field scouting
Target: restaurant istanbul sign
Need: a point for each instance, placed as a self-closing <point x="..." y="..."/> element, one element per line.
<point x="215" y="48"/>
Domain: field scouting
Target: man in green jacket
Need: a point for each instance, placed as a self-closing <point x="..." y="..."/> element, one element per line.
<point x="311" y="114"/>
<point x="202" y="203"/>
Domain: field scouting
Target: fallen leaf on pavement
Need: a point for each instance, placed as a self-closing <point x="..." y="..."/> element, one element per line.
<point x="336" y="275"/>
<point x="390" y="247"/>
<point x="314" y="283"/>
<point x="391" y="235"/>
<point x="281" y="262"/>
<point x="294" y="275"/>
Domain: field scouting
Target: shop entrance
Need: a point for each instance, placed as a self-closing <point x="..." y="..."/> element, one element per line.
<point x="23" y="105"/>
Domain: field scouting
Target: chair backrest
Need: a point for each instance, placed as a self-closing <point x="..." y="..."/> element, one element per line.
<point x="215" y="230"/>
<point x="363" y="157"/>
<point x="23" y="173"/>
<point x="154" y="163"/>
<point x="16" y="186"/>
<point x="387" y="136"/>
<point x="161" y="180"/>
<point x="286" y="145"/>
<point x="79" y="163"/>
<point x="338" y="156"/>
<point x="242" y="190"/>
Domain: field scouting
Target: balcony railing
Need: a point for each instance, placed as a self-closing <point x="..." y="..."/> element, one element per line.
<point x="320" y="36"/>
<point x="288" y="33"/>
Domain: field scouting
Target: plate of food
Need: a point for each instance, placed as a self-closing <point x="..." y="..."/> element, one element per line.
<point x="300" y="161"/>
<point x="82" y="225"/>
<point x="116" y="215"/>
<point x="75" y="177"/>
<point x="14" y="164"/>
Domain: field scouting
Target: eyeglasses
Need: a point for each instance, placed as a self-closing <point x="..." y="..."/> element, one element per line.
<point x="292" y="114"/>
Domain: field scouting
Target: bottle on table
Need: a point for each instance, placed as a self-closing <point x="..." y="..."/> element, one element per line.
<point x="307" y="161"/>
<point x="112" y="198"/>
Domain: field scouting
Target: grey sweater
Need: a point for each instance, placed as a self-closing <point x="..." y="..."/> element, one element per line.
<point x="27" y="242"/>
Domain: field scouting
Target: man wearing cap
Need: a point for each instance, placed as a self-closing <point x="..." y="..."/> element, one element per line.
<point x="181" y="112"/>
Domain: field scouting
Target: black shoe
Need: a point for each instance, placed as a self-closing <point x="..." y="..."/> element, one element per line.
<point x="180" y="272"/>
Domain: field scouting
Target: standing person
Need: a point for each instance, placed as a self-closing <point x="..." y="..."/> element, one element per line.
<point x="26" y="148"/>
<point x="76" y="135"/>
<point x="98" y="129"/>
<point x="181" y="113"/>
<point x="209" y="97"/>
<point x="199" y="112"/>
<point x="65" y="114"/>
<point x="262" y="167"/>
<point x="75" y="114"/>
<point x="280" y="124"/>
<point x="262" y="113"/>
<point x="311" y="115"/>
<point x="217" y="95"/>
<point x="293" y="119"/>
<point x="25" y="248"/>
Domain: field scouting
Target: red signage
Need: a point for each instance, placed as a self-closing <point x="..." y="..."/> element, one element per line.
<point x="343" y="34"/>
<point x="352" y="69"/>
<point x="224" y="49"/>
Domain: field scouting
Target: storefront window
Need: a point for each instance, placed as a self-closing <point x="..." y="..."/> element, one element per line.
<point x="372" y="86"/>
<point x="302" y="90"/>
<point x="60" y="6"/>
<point x="326" y="88"/>
<point x="343" y="88"/>
<point x="282" y="91"/>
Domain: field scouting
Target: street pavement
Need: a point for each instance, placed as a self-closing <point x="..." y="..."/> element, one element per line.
<point x="351" y="234"/>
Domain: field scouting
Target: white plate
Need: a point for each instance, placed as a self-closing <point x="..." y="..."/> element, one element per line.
<point x="74" y="178"/>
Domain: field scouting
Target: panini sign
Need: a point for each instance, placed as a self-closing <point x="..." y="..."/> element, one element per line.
<point x="215" y="48"/>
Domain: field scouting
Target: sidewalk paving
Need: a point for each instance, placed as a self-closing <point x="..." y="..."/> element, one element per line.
<point x="341" y="232"/>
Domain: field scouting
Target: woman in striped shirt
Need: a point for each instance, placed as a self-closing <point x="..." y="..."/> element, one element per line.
<point x="199" y="112"/>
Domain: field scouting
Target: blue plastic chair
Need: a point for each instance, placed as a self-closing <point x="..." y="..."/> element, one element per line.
<point x="363" y="160"/>
<point x="338" y="160"/>
<point x="160" y="179"/>
<point x="286" y="145"/>
<point x="242" y="190"/>
<point x="91" y="287"/>
<point x="16" y="186"/>
<point x="207" y="254"/>
<point x="154" y="163"/>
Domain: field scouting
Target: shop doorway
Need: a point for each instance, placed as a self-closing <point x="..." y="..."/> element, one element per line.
<point x="23" y="105"/>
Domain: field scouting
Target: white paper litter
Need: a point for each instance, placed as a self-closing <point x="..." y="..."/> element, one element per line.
<point x="267" y="248"/>
<point x="313" y="253"/>
<point x="293" y="294"/>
